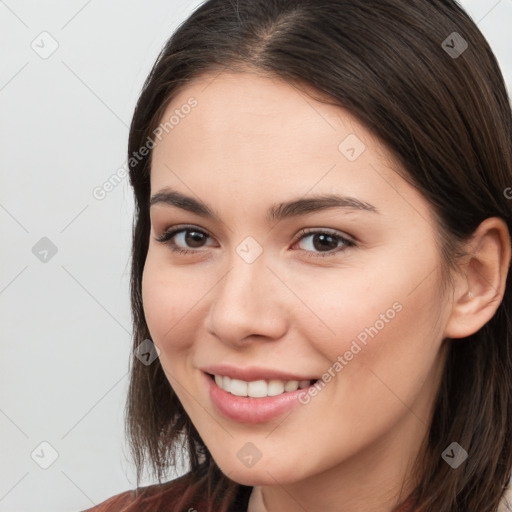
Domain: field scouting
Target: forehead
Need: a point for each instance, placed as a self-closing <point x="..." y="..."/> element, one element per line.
<point x="256" y="106"/>
<point x="250" y="136"/>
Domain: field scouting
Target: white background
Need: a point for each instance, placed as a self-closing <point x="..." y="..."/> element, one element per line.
<point x="65" y="324"/>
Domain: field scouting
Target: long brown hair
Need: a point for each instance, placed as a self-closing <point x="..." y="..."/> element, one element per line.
<point x="441" y="107"/>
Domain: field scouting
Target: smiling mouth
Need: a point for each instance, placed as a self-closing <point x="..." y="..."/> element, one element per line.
<point x="259" y="388"/>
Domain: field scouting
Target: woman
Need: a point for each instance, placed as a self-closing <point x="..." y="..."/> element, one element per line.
<point x="320" y="278"/>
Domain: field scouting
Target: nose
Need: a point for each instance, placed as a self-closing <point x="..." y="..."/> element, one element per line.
<point x="249" y="301"/>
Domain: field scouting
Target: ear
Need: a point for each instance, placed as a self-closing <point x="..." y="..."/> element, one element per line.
<point x="479" y="289"/>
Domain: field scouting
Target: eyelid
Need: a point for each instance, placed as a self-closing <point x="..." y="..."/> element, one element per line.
<point x="328" y="231"/>
<point x="171" y="232"/>
<point x="347" y="241"/>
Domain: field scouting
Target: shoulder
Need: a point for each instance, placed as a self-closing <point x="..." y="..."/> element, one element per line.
<point x="164" y="496"/>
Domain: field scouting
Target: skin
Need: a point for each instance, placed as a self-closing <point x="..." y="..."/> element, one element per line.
<point x="253" y="141"/>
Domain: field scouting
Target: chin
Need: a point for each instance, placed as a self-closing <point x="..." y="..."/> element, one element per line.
<point x="262" y="473"/>
<point x="253" y="477"/>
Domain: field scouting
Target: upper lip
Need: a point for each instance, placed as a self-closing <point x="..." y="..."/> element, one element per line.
<point x="253" y="373"/>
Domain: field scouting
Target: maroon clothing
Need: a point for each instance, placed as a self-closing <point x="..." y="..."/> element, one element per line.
<point x="164" y="497"/>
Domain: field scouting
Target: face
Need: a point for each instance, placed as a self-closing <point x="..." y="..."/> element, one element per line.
<point x="325" y="310"/>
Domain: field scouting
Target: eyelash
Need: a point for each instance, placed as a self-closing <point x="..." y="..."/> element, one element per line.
<point x="165" y="238"/>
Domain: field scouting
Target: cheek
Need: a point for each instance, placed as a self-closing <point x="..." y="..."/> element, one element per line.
<point x="171" y="299"/>
<point x="384" y="322"/>
<point x="379" y="366"/>
<point x="345" y="306"/>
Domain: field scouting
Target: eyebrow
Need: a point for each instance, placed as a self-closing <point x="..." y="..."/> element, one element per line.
<point x="279" y="211"/>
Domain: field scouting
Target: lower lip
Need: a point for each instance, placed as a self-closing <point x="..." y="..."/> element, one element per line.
<point x="246" y="409"/>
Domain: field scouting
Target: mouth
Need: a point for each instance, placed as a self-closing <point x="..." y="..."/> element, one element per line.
<point x="259" y="388"/>
<point x="255" y="401"/>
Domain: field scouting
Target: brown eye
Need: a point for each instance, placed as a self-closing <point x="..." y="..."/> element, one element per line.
<point x="185" y="239"/>
<point x="193" y="238"/>
<point x="324" y="243"/>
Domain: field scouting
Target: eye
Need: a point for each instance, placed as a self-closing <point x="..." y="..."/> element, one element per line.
<point x="324" y="241"/>
<point x="327" y="243"/>
<point x="188" y="235"/>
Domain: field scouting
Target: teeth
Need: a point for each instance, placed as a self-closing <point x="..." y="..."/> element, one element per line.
<point x="292" y="385"/>
<point x="258" y="388"/>
<point x="275" y="387"/>
<point x="238" y="387"/>
<point x="226" y="384"/>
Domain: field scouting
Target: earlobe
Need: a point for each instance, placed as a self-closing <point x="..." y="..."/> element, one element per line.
<point x="479" y="289"/>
